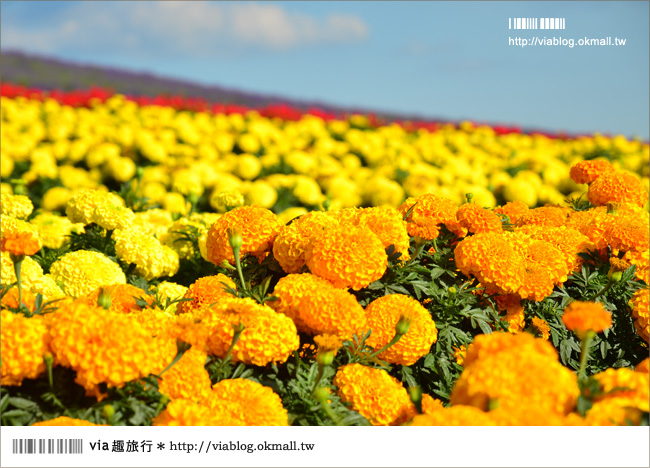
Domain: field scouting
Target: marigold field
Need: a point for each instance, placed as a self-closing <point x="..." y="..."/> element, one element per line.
<point x="170" y="262"/>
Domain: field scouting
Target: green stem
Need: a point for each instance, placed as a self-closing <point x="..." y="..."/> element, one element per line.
<point x="323" y="402"/>
<point x="239" y="270"/>
<point x="584" y="356"/>
<point x="235" y="339"/>
<point x="17" y="264"/>
<point x="395" y="339"/>
<point x="321" y="369"/>
<point x="419" y="246"/>
<point x="604" y="290"/>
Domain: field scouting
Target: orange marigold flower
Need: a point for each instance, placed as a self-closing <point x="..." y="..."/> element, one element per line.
<point x="626" y="233"/>
<point x="24" y="342"/>
<point x="513" y="210"/>
<point x="384" y="313"/>
<point x="613" y="412"/>
<point x="317" y="307"/>
<point x="66" y="421"/>
<point x="643" y="366"/>
<point x="624" y="383"/>
<point x="348" y="256"/>
<point x="540" y="326"/>
<point x="640" y="303"/>
<point x="526" y="370"/>
<point x="122" y="297"/>
<point x="377" y="396"/>
<point x="388" y="226"/>
<point x="106" y="347"/>
<point x="204" y="292"/>
<point x="476" y="219"/>
<point x="568" y="241"/>
<point x="490" y="258"/>
<point x="585" y="172"/>
<point x="259" y="228"/>
<point x="188" y="378"/>
<point x="10" y="299"/>
<point x="248" y="402"/>
<point x="267" y="337"/>
<point x="526" y="415"/>
<point x="292" y="240"/>
<point x="617" y="187"/>
<point x="20" y="243"/>
<point x="429" y="213"/>
<point x="185" y="412"/>
<point x="459" y="354"/>
<point x="581" y="317"/>
<point x="327" y="343"/>
<point x="550" y="216"/>
<point x="459" y="415"/>
<point x="642" y="261"/>
<point x="514" y="311"/>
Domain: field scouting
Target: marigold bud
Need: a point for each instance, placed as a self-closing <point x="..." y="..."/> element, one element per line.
<point x="235" y="239"/>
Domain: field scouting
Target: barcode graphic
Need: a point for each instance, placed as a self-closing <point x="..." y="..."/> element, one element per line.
<point x="536" y="23"/>
<point x="49" y="446"/>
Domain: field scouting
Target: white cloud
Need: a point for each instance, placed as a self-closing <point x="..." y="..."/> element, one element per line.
<point x="189" y="28"/>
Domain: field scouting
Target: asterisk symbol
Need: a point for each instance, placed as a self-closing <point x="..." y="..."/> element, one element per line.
<point x="161" y="446"/>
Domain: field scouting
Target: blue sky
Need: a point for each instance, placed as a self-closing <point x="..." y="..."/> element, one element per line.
<point x="437" y="59"/>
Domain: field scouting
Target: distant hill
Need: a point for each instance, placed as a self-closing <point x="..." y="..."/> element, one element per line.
<point x="48" y="73"/>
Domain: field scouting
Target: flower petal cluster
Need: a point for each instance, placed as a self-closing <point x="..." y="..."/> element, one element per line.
<point x="429" y="213"/>
<point x="384" y="313"/>
<point x="16" y="206"/>
<point x="188" y="378"/>
<point x="348" y="256"/>
<point x="620" y="187"/>
<point x="84" y="271"/>
<point x="24" y="342"/>
<point x="66" y="421"/>
<point x="204" y="292"/>
<point x="640" y="305"/>
<point x="103" y="208"/>
<point x="152" y="259"/>
<point x="585" y="172"/>
<point x="477" y="219"/>
<point x="259" y="228"/>
<point x="582" y="317"/>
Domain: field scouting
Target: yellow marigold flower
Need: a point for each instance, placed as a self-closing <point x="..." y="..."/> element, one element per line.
<point x="66" y="421"/>
<point x="54" y="230"/>
<point x="643" y="366"/>
<point x="429" y="213"/>
<point x="581" y="317"/>
<point x="20" y="243"/>
<point x="24" y="341"/>
<point x="625" y="383"/>
<point x="205" y="292"/>
<point x="46" y="286"/>
<point x="509" y="371"/>
<point x="317" y="307"/>
<point x="185" y="412"/>
<point x="585" y="172"/>
<point x="377" y="396"/>
<point x="175" y="203"/>
<point x="108" y="347"/>
<point x="548" y="216"/>
<point x="103" y="208"/>
<point x="176" y="234"/>
<point x="122" y="297"/>
<point x="459" y="415"/>
<point x="225" y="201"/>
<point x="188" y="378"/>
<point x="384" y="313"/>
<point x="292" y="240"/>
<point x="640" y="305"/>
<point x="513" y="210"/>
<point x="626" y="233"/>
<point x="16" y="206"/>
<point x="168" y="290"/>
<point x="541" y="327"/>
<point x="31" y="272"/>
<point x="248" y="402"/>
<point x="618" y="187"/>
<point x="291" y="213"/>
<point x="348" y="256"/>
<point x="259" y="228"/>
<point x="476" y="219"/>
<point x="267" y="337"/>
<point x="154" y="222"/>
<point x="56" y="199"/>
<point x="388" y="225"/>
<point x="613" y="412"/>
<point x="490" y="258"/>
<point x="152" y="259"/>
<point x="261" y="193"/>
<point x="83" y="271"/>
